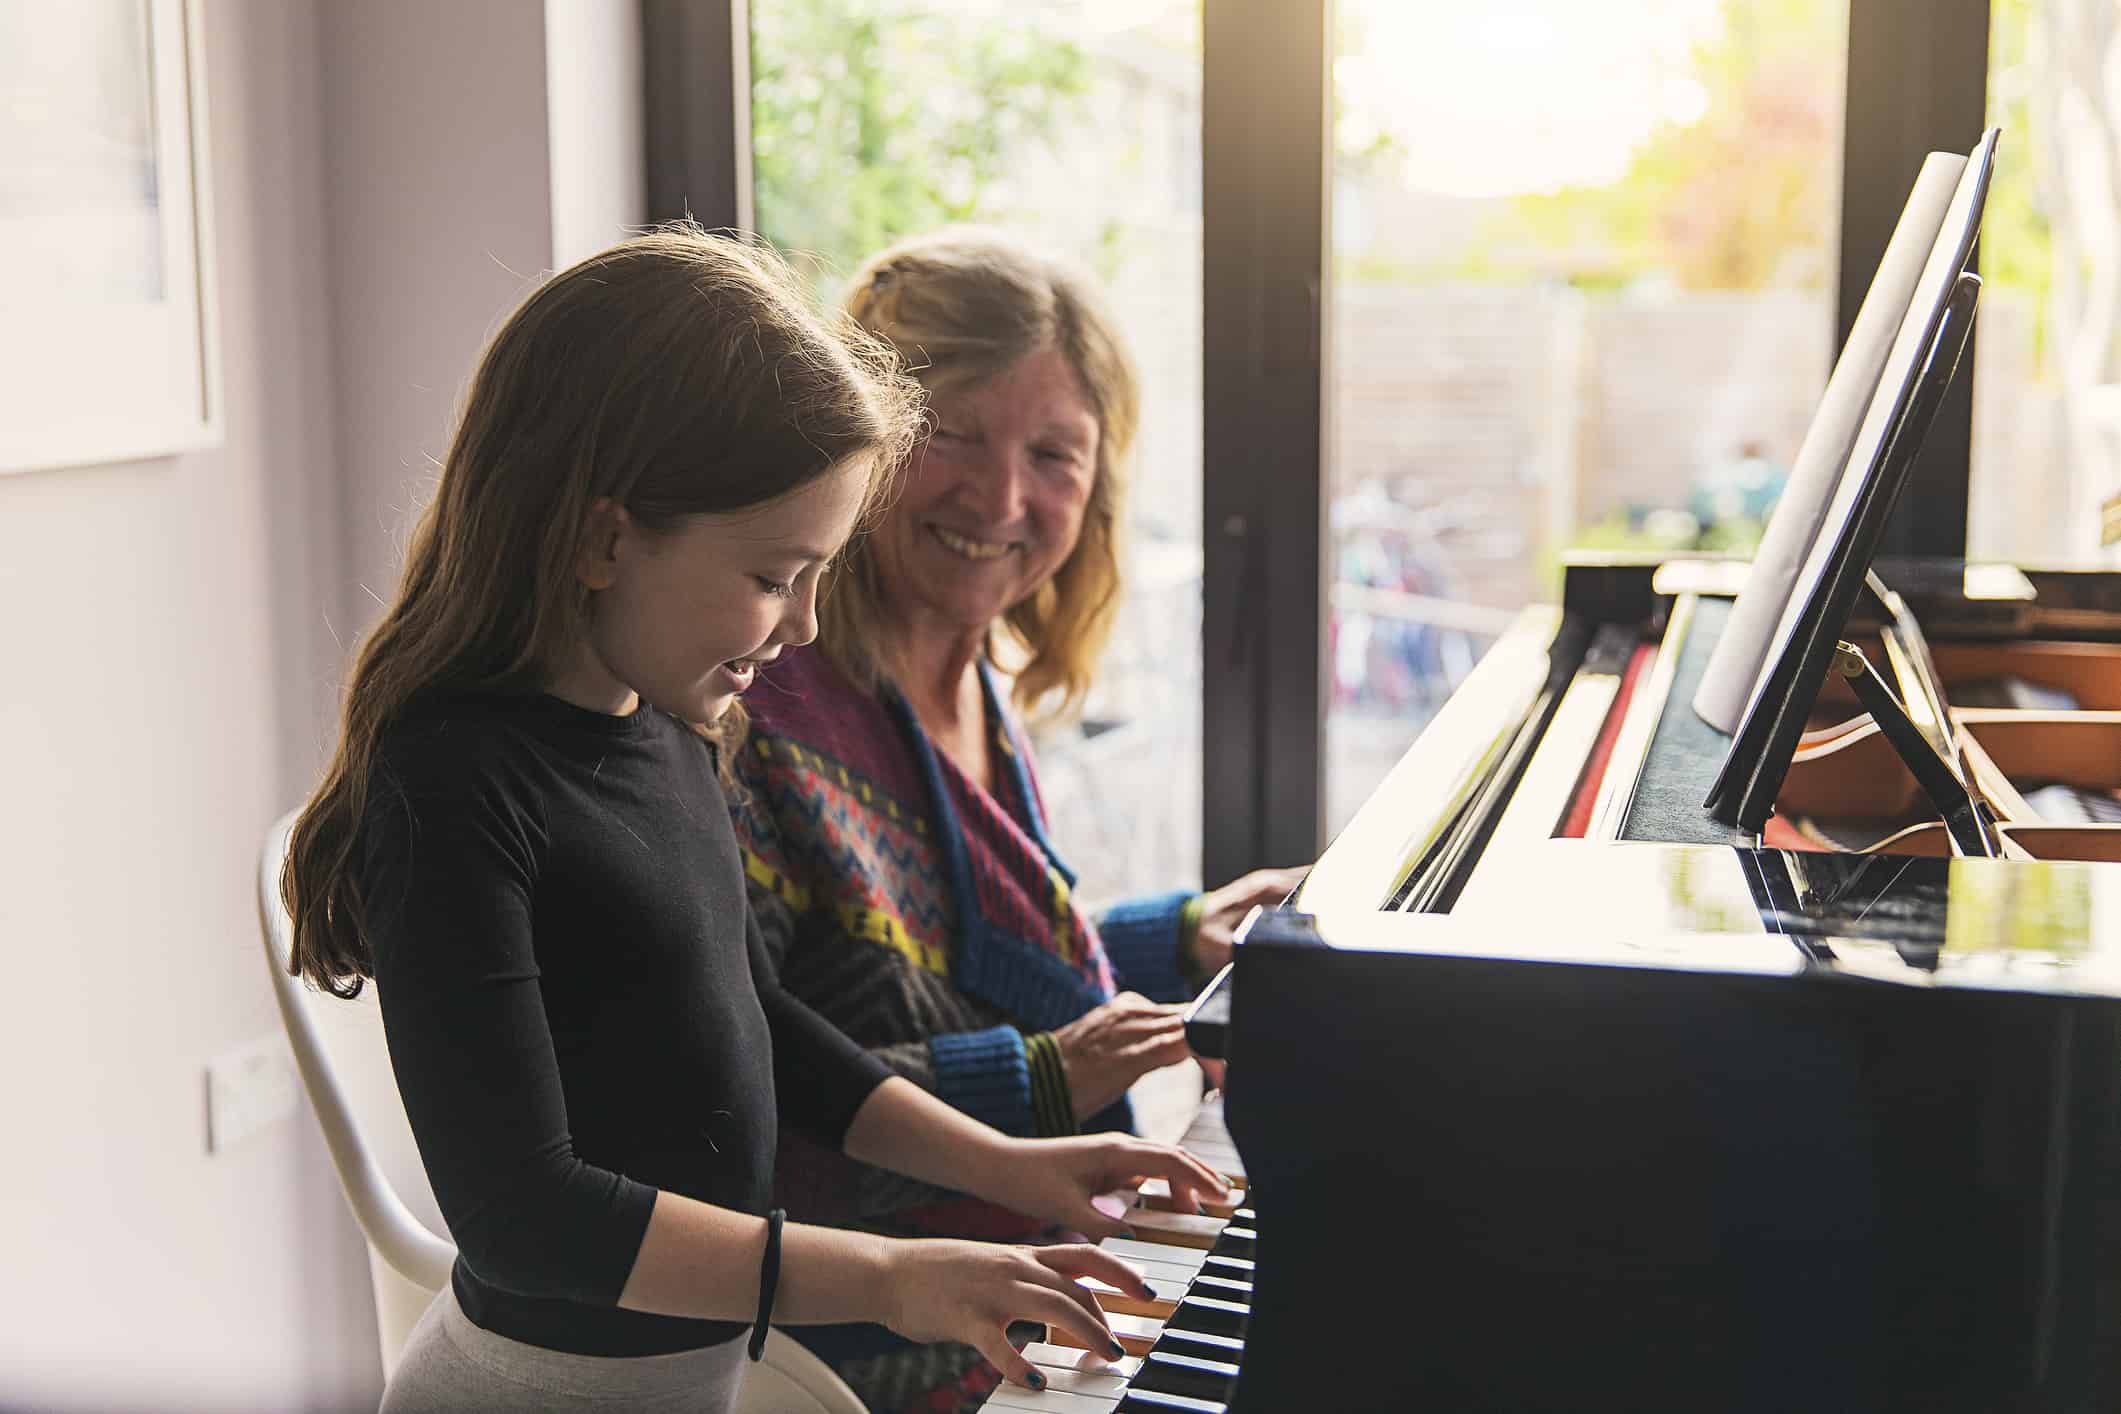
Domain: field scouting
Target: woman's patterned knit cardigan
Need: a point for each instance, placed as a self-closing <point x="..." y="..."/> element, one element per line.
<point x="934" y="923"/>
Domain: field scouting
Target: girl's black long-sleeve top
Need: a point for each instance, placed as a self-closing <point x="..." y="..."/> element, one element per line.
<point x="577" y="1006"/>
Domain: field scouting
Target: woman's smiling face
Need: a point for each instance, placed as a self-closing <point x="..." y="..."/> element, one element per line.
<point x="993" y="501"/>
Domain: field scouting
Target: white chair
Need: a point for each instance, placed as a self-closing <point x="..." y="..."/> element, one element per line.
<point x="339" y="1050"/>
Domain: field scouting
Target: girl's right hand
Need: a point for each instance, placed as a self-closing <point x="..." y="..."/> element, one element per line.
<point x="938" y="1289"/>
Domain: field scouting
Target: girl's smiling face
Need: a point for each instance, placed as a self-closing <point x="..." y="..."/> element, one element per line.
<point x="686" y="617"/>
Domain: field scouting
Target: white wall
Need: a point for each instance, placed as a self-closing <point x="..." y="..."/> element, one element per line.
<point x="438" y="191"/>
<point x="166" y="673"/>
<point x="172" y="637"/>
<point x="455" y="178"/>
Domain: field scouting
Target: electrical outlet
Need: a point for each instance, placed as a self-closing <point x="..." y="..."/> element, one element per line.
<point x="247" y="1089"/>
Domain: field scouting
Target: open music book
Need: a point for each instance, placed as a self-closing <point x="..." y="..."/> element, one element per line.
<point x="1791" y="620"/>
<point x="1829" y="458"/>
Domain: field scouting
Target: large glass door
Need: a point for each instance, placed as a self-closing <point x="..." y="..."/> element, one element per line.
<point x="1583" y="284"/>
<point x="2047" y="365"/>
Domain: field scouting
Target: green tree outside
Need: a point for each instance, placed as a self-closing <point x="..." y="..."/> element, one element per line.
<point x="871" y="123"/>
<point x="2016" y="244"/>
<point x="1742" y="198"/>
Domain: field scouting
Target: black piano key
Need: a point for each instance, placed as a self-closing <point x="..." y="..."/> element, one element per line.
<point x="1235" y="1242"/>
<point x="1205" y="1313"/>
<point x="1205" y="1345"/>
<point x="1167" y="1372"/>
<point x="1235" y="1268"/>
<point x="1222" y="1289"/>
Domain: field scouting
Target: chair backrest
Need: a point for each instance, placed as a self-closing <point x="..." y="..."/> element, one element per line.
<point x="338" y="1048"/>
<point x="345" y="1066"/>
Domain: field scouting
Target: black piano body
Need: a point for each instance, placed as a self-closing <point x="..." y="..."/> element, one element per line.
<point x="1558" y="1095"/>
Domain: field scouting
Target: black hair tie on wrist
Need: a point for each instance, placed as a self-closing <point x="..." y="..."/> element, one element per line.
<point x="769" y="1281"/>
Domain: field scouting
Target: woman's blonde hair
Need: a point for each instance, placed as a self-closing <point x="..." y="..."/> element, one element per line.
<point x="677" y="374"/>
<point x="962" y="305"/>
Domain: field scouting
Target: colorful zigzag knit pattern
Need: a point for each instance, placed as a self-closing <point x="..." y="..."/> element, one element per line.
<point x="855" y="813"/>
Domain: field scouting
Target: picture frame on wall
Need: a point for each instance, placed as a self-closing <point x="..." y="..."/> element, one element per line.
<point x="108" y="338"/>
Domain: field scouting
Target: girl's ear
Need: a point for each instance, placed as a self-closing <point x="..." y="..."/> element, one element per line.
<point x="596" y="562"/>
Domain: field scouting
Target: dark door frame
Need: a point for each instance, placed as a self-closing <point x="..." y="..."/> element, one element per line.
<point x="1917" y="83"/>
<point x="1266" y="176"/>
<point x="696" y="111"/>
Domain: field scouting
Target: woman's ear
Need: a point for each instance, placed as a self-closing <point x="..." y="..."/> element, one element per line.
<point x="596" y="562"/>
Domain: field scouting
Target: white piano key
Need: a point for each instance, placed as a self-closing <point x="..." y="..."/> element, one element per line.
<point x="1158" y="1272"/>
<point x="1175" y="1229"/>
<point x="1166" y="1288"/>
<point x="1211" y="1136"/>
<point x="1210" y="1150"/>
<point x="1069" y="1379"/>
<point x="1227" y="1162"/>
<point x="1208" y="1126"/>
<point x="1053" y="1401"/>
<point x="1067" y="1357"/>
<point x="1139" y="1253"/>
<point x="1134" y="1333"/>
<point x="1132" y="1327"/>
<point x="1156" y="1192"/>
<point x="1110" y="1299"/>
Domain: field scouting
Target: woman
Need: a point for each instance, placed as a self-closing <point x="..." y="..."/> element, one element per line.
<point x="893" y="834"/>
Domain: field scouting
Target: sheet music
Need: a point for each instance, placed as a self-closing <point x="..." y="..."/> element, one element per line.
<point x="1735" y="665"/>
<point x="1935" y="285"/>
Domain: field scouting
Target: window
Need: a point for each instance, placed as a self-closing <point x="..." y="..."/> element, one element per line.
<point x="1077" y="124"/>
<point x="2047" y="384"/>
<point x="1587" y="268"/>
<point x="1583" y="271"/>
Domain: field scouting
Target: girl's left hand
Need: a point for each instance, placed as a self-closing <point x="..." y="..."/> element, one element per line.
<point x="1056" y="1179"/>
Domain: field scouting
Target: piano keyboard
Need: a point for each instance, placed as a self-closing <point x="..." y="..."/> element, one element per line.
<point x="1183" y="1347"/>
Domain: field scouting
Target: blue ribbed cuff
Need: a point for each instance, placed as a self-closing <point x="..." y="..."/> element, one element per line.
<point x="985" y="1074"/>
<point x="1141" y="939"/>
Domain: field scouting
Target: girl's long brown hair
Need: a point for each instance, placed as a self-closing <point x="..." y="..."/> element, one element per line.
<point x="678" y="373"/>
<point x="963" y="304"/>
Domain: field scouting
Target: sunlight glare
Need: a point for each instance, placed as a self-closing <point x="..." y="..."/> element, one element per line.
<point x="1516" y="96"/>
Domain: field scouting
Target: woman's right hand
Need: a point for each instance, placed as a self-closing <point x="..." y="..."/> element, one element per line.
<point x="938" y="1289"/>
<point x="1105" y="1050"/>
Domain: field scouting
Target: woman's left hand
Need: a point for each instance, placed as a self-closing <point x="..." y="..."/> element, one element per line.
<point x="1221" y="910"/>
<point x="1056" y="1179"/>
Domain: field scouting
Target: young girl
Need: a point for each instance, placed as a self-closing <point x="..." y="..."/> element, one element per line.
<point x="662" y="449"/>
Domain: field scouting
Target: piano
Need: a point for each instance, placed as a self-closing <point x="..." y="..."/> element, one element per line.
<point x="1614" y="1059"/>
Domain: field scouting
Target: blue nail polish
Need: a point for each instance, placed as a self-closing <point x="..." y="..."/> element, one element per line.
<point x="1119" y="1352"/>
<point x="1035" y="1379"/>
